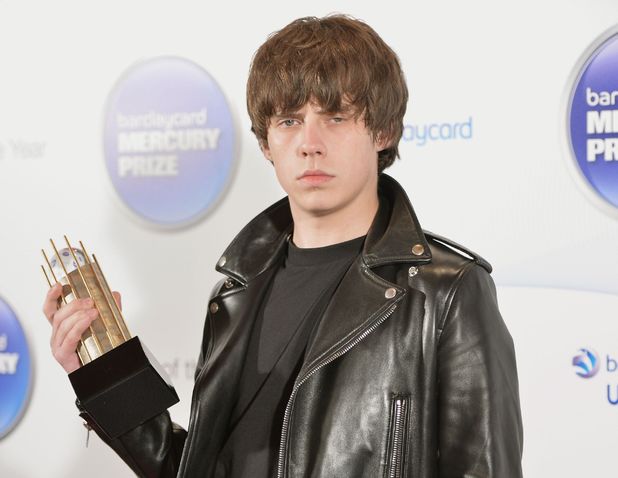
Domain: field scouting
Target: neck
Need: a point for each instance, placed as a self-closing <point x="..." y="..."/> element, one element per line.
<point x="311" y="230"/>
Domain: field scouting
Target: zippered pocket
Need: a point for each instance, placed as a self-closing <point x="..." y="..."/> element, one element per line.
<point x="397" y="437"/>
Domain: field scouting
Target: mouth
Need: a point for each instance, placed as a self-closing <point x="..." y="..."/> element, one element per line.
<point x="315" y="176"/>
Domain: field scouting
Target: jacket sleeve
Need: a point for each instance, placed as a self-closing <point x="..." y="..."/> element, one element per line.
<point x="479" y="419"/>
<point x="154" y="449"/>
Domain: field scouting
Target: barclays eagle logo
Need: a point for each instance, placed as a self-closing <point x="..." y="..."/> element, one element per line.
<point x="586" y="363"/>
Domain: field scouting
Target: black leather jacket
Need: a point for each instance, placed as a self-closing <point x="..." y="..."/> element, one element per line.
<point x="411" y="372"/>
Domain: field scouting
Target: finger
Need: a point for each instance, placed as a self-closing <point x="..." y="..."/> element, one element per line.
<point x="50" y="305"/>
<point x="70" y="308"/>
<point x="65" y="352"/>
<point x="73" y="336"/>
<point x="118" y="299"/>
<point x="75" y="323"/>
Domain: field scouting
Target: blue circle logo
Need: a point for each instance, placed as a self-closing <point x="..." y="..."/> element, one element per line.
<point x="593" y="120"/>
<point x="586" y="363"/>
<point x="168" y="141"/>
<point x="15" y="370"/>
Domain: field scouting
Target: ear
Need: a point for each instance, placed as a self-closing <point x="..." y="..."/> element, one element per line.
<point x="381" y="142"/>
<point x="266" y="150"/>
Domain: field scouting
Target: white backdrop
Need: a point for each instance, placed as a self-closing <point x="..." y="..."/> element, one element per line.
<point x="507" y="191"/>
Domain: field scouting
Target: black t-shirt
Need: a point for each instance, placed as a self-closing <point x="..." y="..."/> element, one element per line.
<point x="299" y="293"/>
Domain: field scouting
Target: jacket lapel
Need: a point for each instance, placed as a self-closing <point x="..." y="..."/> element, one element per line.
<point x="363" y="298"/>
<point x="359" y="301"/>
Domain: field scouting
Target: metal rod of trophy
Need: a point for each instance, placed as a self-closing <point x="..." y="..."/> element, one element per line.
<point x="46" y="277"/>
<point x="84" y="278"/>
<point x="111" y="302"/>
<point x="90" y="292"/>
<point x="77" y="296"/>
<point x="82" y="351"/>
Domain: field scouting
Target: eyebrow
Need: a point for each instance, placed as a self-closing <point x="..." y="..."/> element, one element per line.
<point x="286" y="114"/>
<point x="348" y="109"/>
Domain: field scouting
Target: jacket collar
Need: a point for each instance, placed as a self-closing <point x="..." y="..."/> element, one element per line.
<point x="394" y="236"/>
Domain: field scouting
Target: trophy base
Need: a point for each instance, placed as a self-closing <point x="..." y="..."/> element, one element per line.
<point x="123" y="388"/>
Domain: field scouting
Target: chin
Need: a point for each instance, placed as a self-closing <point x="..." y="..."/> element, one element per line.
<point x="319" y="208"/>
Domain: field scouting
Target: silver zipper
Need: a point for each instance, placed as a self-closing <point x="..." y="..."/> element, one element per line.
<point x="399" y="419"/>
<point x="288" y="408"/>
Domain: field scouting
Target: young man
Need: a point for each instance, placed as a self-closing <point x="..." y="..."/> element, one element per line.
<point x="344" y="341"/>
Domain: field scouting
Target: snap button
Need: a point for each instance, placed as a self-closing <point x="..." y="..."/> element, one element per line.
<point x="390" y="293"/>
<point x="418" y="249"/>
<point x="222" y="261"/>
<point x="412" y="271"/>
<point x="214" y="307"/>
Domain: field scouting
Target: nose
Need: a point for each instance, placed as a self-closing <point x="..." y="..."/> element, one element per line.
<point x="312" y="141"/>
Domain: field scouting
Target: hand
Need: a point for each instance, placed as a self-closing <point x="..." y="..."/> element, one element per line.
<point x="69" y="322"/>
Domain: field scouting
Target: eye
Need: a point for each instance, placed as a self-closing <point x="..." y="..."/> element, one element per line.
<point x="337" y="119"/>
<point x="287" y="122"/>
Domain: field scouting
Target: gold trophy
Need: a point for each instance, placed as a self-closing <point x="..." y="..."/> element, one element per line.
<point x="120" y="384"/>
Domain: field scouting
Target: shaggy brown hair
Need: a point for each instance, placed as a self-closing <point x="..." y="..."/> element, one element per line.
<point x="336" y="61"/>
